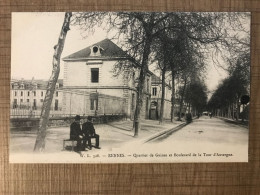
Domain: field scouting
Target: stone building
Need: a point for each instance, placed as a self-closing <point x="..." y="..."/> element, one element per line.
<point x="28" y="95"/>
<point x="156" y="94"/>
<point x="91" y="87"/>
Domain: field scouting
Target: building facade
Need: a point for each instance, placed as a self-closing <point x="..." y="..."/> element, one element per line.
<point x="27" y="97"/>
<point x="156" y="94"/>
<point x="102" y="79"/>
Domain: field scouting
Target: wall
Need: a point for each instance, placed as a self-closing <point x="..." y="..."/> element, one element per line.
<point x="79" y="74"/>
<point x="78" y="102"/>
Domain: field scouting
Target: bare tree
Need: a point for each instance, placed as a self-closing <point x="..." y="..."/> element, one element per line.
<point x="136" y="31"/>
<point x="40" y="140"/>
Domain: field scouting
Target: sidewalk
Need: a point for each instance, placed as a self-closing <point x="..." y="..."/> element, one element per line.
<point x="113" y="136"/>
<point x="238" y="122"/>
<point x="117" y="134"/>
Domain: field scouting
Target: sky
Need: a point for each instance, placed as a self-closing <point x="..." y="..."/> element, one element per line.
<point x="35" y="34"/>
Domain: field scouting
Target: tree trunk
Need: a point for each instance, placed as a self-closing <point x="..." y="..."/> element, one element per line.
<point x="182" y="97"/>
<point x="41" y="134"/>
<point x="233" y="110"/>
<point x="141" y="83"/>
<point x="238" y="109"/>
<point x="163" y="95"/>
<point x="173" y="95"/>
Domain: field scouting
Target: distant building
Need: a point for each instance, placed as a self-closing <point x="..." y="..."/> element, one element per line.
<point x="91" y="88"/>
<point x="28" y="95"/>
<point x="156" y="94"/>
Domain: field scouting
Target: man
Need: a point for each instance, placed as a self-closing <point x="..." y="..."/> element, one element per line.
<point x="89" y="132"/>
<point x="76" y="133"/>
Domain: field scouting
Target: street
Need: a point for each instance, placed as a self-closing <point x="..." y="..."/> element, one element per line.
<point x="211" y="130"/>
<point x="204" y="140"/>
<point x="209" y="136"/>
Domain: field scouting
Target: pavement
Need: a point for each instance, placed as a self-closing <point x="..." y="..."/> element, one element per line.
<point x="113" y="136"/>
<point x="204" y="140"/>
<point x="207" y="140"/>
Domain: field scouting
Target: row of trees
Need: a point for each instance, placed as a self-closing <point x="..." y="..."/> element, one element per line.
<point x="178" y="42"/>
<point x="225" y="101"/>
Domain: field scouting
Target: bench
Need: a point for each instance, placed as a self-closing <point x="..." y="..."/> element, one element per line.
<point x="70" y="142"/>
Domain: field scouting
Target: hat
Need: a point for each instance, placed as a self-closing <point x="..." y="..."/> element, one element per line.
<point x="89" y="118"/>
<point x="77" y="118"/>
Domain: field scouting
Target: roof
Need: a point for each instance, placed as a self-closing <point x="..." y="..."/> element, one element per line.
<point x="157" y="80"/>
<point x="28" y="84"/>
<point x="109" y="50"/>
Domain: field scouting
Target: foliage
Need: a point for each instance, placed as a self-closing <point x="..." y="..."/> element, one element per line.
<point x="234" y="86"/>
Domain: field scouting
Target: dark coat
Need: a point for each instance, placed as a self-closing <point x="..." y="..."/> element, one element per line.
<point x="75" y="131"/>
<point x="88" y="129"/>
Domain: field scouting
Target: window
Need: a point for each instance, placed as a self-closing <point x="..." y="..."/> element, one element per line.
<point x="147" y="85"/>
<point x="22" y="86"/>
<point x="94" y="101"/>
<point x="15" y="93"/>
<point x="56" y="106"/>
<point x="34" y="93"/>
<point x="28" y="100"/>
<point x="95" y="49"/>
<point x="41" y="93"/>
<point x="94" y="75"/>
<point x="154" y="91"/>
<point x="93" y="104"/>
<point x="28" y="93"/>
<point x="34" y="104"/>
<point x="21" y="100"/>
<point x="133" y="101"/>
<point x="21" y="93"/>
<point x="41" y="100"/>
<point x="57" y="93"/>
<point x="15" y="103"/>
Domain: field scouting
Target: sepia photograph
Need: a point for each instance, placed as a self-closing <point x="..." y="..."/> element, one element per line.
<point x="129" y="87"/>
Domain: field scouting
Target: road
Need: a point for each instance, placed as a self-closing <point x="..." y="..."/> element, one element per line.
<point x="203" y="140"/>
<point x="207" y="135"/>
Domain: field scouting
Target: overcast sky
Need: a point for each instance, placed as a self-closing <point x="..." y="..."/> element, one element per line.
<point x="34" y="36"/>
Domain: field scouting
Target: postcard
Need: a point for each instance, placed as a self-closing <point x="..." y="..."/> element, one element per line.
<point x="129" y="87"/>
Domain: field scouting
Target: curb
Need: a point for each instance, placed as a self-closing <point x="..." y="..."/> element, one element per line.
<point x="167" y="131"/>
<point x="233" y="121"/>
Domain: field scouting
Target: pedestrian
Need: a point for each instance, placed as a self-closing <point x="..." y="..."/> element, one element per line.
<point x="89" y="132"/>
<point x="76" y="133"/>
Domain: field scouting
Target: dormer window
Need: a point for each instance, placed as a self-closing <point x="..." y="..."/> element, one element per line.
<point x="96" y="51"/>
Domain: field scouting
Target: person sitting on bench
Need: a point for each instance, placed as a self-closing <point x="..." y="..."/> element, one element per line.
<point x="76" y="133"/>
<point x="89" y="132"/>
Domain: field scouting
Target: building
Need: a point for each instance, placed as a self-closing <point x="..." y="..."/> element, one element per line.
<point x="27" y="97"/>
<point x="91" y="87"/>
<point x="156" y="94"/>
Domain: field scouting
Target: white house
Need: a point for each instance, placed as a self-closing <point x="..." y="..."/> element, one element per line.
<point x="156" y="95"/>
<point x="91" y="87"/>
<point x="28" y="95"/>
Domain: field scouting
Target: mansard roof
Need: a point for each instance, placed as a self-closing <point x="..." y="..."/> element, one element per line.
<point x="30" y="84"/>
<point x="156" y="80"/>
<point x="109" y="51"/>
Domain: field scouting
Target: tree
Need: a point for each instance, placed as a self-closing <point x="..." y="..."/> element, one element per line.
<point x="228" y="93"/>
<point x="196" y="96"/>
<point x="136" y="31"/>
<point x="190" y="34"/>
<point x="41" y="134"/>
